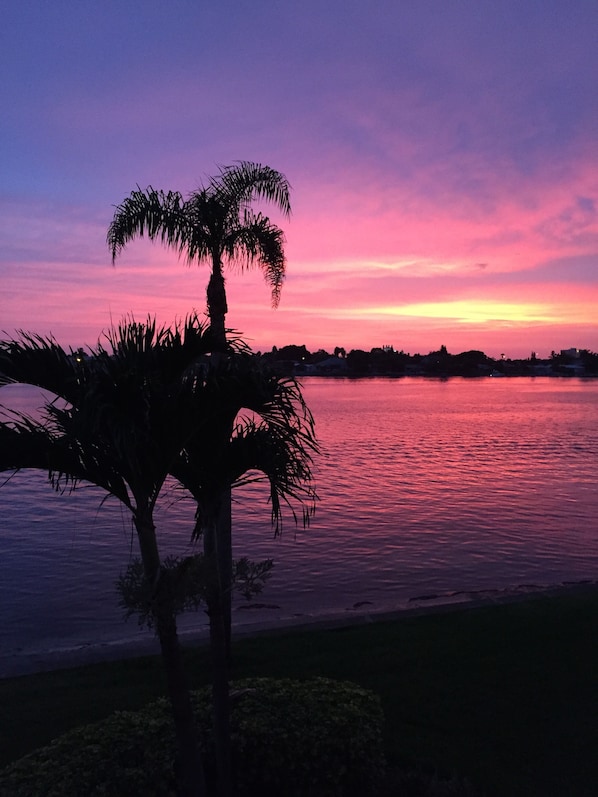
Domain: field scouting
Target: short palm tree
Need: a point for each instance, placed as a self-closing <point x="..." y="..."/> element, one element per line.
<point x="116" y="428"/>
<point x="272" y="439"/>
<point x="142" y="409"/>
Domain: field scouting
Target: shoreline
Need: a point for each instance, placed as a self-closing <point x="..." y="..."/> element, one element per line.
<point x="19" y="665"/>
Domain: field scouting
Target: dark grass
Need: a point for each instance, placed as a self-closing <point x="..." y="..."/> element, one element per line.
<point x="504" y="695"/>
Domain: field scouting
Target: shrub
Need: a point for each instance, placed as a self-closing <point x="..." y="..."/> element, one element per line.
<point x="319" y="738"/>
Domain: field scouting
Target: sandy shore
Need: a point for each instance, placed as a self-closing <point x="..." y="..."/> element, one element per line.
<point x="360" y="613"/>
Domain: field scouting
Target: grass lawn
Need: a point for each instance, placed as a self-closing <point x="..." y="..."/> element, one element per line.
<point x="505" y="695"/>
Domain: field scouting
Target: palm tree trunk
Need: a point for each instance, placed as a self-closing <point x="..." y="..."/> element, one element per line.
<point x="225" y="564"/>
<point x="217" y="306"/>
<point x="217" y="309"/>
<point x="219" y="652"/>
<point x="220" y="697"/>
<point x="190" y="770"/>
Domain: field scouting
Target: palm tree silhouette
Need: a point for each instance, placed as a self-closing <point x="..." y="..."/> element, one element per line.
<point x="137" y="411"/>
<point x="114" y="428"/>
<point x="217" y="225"/>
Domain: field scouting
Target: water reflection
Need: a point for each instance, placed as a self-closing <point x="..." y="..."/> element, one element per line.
<point x="427" y="487"/>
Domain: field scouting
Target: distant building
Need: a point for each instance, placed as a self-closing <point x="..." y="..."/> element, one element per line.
<point x="331" y="365"/>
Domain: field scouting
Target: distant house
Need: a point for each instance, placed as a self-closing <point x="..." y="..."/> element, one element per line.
<point x="574" y="369"/>
<point x="574" y="366"/>
<point x="331" y="365"/>
<point x="541" y="369"/>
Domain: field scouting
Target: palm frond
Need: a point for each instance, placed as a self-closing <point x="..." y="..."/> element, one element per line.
<point x="131" y="404"/>
<point x="34" y="360"/>
<point x="238" y="185"/>
<point x="285" y="461"/>
<point x="24" y="443"/>
<point x="157" y="214"/>
<point x="273" y="434"/>
<point x="258" y="240"/>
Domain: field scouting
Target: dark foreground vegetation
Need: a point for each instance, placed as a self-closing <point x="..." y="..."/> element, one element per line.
<point x="386" y="361"/>
<point x="497" y="700"/>
<point x="316" y="737"/>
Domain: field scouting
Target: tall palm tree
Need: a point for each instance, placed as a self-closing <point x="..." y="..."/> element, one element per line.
<point x="142" y="409"/>
<point x="216" y="224"/>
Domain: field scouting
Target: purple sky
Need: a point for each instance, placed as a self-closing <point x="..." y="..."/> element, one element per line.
<point x="443" y="156"/>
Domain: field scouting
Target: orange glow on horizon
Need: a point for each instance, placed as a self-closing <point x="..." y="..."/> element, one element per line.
<point x="484" y="311"/>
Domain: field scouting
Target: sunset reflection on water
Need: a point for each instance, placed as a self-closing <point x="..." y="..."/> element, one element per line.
<point x="447" y="485"/>
<point x="427" y="488"/>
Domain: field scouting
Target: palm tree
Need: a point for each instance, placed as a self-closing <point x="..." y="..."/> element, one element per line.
<point x="138" y="411"/>
<point x="215" y="224"/>
<point x="119" y="427"/>
<point x="273" y="440"/>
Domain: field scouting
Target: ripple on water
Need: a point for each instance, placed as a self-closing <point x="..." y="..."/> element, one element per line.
<point x="426" y="487"/>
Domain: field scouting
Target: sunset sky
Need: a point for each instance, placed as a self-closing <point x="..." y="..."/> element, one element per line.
<point x="443" y="156"/>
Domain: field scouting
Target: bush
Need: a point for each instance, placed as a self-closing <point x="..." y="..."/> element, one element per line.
<point x="318" y="738"/>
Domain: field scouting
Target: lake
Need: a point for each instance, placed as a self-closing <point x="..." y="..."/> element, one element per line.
<point x="430" y="490"/>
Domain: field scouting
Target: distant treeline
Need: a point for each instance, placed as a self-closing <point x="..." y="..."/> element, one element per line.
<point x="386" y="361"/>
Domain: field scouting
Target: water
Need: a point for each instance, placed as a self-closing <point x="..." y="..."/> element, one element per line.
<point x="428" y="489"/>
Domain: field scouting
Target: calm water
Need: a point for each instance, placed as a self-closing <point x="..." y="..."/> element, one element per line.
<point x="427" y="488"/>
